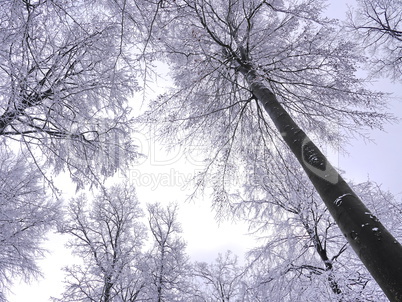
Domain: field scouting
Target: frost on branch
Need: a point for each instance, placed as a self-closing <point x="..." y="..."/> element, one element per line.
<point x="377" y="24"/>
<point x="64" y="87"/>
<point x="26" y="216"/>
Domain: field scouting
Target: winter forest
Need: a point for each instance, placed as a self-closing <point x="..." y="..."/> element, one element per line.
<point x="258" y="97"/>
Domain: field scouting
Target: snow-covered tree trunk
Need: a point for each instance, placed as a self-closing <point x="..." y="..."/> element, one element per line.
<point x="285" y="54"/>
<point x="380" y="252"/>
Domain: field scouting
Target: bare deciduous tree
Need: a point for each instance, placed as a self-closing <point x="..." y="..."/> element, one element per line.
<point x="107" y="236"/>
<point x="220" y="281"/>
<point x="169" y="272"/>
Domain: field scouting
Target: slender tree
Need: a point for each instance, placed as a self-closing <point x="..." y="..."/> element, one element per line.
<point x="249" y="76"/>
<point x="108" y="236"/>
<point x="168" y="265"/>
<point x="220" y="281"/>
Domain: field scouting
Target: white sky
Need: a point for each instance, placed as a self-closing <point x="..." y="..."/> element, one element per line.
<point x="158" y="179"/>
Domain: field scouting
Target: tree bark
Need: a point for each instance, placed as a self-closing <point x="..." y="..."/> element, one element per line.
<point x="108" y="289"/>
<point x="379" y="251"/>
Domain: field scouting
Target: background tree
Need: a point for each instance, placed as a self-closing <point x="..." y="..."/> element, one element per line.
<point x="378" y="25"/>
<point x="220" y="281"/>
<point x="66" y="74"/>
<point x="169" y="270"/>
<point x="249" y="76"/>
<point x="107" y="236"/>
<point x="26" y="214"/>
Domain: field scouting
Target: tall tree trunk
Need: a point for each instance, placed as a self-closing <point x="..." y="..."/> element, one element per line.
<point x="108" y="289"/>
<point x="379" y="251"/>
<point x="161" y="272"/>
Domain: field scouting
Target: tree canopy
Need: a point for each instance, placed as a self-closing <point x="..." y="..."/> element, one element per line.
<point x="259" y="88"/>
<point x="66" y="76"/>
